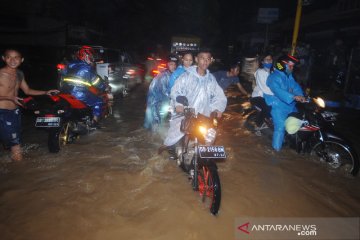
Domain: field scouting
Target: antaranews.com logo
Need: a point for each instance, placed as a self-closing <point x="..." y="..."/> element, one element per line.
<point x="300" y="229"/>
<point x="297" y="228"/>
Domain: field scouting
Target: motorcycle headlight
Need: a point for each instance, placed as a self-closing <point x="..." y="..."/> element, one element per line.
<point x="320" y="102"/>
<point x="203" y="130"/>
<point x="208" y="134"/>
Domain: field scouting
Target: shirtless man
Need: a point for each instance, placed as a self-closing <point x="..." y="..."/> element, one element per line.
<point x="11" y="79"/>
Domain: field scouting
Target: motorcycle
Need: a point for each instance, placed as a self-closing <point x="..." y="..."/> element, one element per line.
<point x="65" y="118"/>
<point x="197" y="154"/>
<point x="316" y="136"/>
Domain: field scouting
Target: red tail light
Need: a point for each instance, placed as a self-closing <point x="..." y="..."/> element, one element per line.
<point x="160" y="67"/>
<point x="60" y="66"/>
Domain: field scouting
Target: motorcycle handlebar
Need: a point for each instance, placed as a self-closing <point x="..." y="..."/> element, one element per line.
<point x="307" y="100"/>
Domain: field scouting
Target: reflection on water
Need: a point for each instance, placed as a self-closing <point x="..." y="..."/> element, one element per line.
<point x="112" y="184"/>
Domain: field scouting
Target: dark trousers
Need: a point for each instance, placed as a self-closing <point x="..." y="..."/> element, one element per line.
<point x="264" y="109"/>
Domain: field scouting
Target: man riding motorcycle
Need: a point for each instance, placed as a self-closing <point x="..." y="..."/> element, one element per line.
<point x="199" y="86"/>
<point x="81" y="80"/>
<point x="286" y="92"/>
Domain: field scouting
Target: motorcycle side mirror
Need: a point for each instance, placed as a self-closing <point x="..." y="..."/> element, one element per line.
<point x="183" y="100"/>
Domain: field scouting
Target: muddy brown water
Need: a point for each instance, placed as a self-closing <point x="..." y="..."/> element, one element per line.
<point x="112" y="184"/>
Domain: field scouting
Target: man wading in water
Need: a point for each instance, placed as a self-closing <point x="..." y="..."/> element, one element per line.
<point x="11" y="79"/>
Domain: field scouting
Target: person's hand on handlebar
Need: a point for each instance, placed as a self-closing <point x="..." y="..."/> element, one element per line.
<point x="52" y="92"/>
<point x="300" y="99"/>
<point x="179" y="109"/>
<point x="218" y="113"/>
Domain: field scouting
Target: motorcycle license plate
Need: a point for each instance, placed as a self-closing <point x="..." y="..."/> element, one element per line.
<point x="215" y="152"/>
<point x="47" y="122"/>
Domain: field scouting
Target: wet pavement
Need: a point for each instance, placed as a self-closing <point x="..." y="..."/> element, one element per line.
<point x="112" y="184"/>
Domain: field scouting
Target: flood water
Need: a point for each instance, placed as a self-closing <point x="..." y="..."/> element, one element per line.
<point x="112" y="184"/>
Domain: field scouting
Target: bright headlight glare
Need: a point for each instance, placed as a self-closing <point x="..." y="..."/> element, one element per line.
<point x="320" y="102"/>
<point x="210" y="136"/>
<point x="202" y="130"/>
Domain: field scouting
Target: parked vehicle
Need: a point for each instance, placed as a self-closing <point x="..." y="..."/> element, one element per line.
<point x="313" y="133"/>
<point x="65" y="118"/>
<point x="153" y="67"/>
<point x="181" y="43"/>
<point x="114" y="64"/>
<point x="197" y="154"/>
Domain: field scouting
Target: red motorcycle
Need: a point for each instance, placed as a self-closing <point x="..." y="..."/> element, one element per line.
<point x="197" y="154"/>
<point x="65" y="117"/>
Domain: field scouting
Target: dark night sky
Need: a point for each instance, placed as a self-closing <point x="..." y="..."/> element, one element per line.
<point x="137" y="21"/>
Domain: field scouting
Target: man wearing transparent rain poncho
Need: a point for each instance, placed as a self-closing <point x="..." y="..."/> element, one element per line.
<point x="157" y="98"/>
<point x="204" y="94"/>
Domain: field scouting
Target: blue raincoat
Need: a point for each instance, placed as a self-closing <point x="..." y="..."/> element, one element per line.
<point x="203" y="93"/>
<point x="157" y="101"/>
<point x="78" y="78"/>
<point x="282" y="102"/>
<point x="175" y="75"/>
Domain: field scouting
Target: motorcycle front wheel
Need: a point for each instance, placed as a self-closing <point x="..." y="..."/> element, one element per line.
<point x="337" y="155"/>
<point x="58" y="137"/>
<point x="209" y="187"/>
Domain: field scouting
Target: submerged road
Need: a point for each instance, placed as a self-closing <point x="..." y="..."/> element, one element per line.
<point x="112" y="184"/>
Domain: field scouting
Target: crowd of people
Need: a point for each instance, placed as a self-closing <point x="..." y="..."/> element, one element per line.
<point x="275" y="92"/>
<point x="196" y="83"/>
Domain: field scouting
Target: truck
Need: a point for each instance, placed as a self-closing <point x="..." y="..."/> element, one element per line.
<point x="181" y="43"/>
